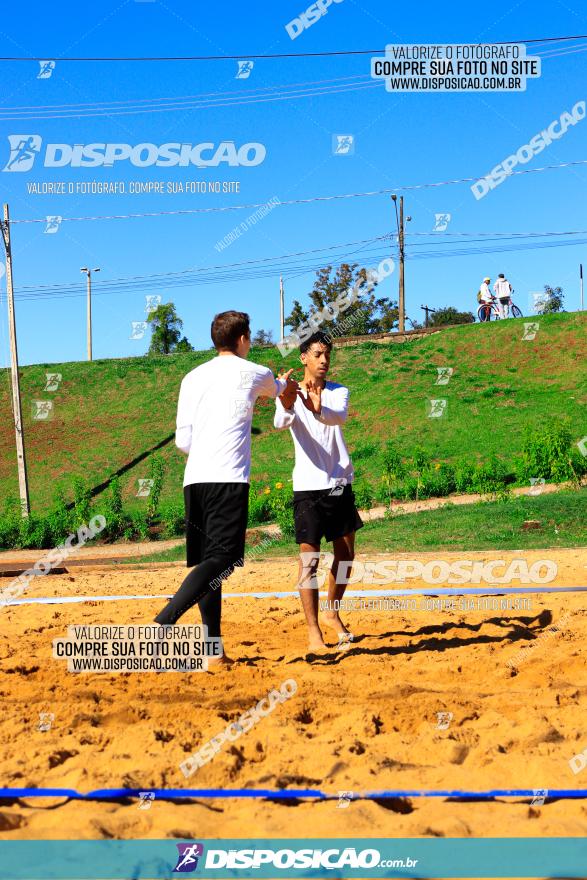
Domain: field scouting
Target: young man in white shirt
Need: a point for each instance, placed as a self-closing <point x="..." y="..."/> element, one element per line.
<point x="214" y="415"/>
<point x="324" y="503"/>
<point x="503" y="291"/>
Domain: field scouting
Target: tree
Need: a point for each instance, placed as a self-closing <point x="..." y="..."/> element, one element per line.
<point x="368" y="314"/>
<point x="450" y="315"/>
<point x="552" y="302"/>
<point x="165" y="330"/>
<point x="262" y="337"/>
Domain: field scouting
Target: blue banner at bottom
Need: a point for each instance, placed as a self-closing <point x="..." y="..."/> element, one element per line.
<point x="275" y="858"/>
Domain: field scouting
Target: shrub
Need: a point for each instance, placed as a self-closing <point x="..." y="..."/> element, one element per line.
<point x="547" y="451"/>
<point x="113" y="511"/>
<point x="82" y="502"/>
<point x="364" y="494"/>
<point x="464" y="476"/>
<point x="259" y="507"/>
<point x="156" y="474"/>
<point x="491" y="478"/>
<point x="173" y="520"/>
<point x="280" y="506"/>
<point x="136" y="526"/>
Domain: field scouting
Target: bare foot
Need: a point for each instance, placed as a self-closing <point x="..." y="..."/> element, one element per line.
<point x="315" y="641"/>
<point x="332" y="619"/>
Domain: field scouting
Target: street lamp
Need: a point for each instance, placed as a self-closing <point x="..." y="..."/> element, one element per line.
<point x="88" y="273"/>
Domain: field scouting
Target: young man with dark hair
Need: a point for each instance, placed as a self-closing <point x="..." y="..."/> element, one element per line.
<point x="324" y="503"/>
<point x="214" y="417"/>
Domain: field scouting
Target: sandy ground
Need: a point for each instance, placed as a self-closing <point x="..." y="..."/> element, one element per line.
<point x="363" y="719"/>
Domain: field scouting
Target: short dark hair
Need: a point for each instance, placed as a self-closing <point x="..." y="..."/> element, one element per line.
<point x="501" y="275"/>
<point x="322" y="338"/>
<point x="227" y="328"/>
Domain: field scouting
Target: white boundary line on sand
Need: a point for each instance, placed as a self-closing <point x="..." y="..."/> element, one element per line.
<point x="362" y="594"/>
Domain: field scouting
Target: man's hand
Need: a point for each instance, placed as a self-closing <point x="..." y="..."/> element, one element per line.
<point x="288" y="396"/>
<point x="313" y="398"/>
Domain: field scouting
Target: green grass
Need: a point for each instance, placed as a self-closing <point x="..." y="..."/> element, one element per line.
<point x="111" y="415"/>
<point x="490" y="525"/>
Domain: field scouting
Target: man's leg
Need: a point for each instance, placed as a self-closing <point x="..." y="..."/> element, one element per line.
<point x="308" y="587"/>
<point x="338" y="577"/>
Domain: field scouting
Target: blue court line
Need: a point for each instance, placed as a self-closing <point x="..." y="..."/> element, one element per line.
<point x="285" y="794"/>
<point x="362" y="594"/>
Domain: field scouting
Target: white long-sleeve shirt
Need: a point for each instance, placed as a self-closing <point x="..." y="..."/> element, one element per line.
<point x="486" y="295"/>
<point x="502" y="288"/>
<point x="321" y="457"/>
<point x="214" y="415"/>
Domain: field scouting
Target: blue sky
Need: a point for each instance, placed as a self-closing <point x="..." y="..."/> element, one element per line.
<point x="403" y="139"/>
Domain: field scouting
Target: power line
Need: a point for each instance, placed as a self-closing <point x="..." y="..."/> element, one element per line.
<point x="268" y="56"/>
<point x="251" y="270"/>
<point x="376" y="192"/>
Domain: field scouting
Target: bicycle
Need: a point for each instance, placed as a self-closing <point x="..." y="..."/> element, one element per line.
<point x="494" y="314"/>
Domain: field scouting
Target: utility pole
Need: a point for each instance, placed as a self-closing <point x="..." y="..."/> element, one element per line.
<point x="89" y="317"/>
<point x="400" y="239"/>
<point x="281" y="308"/>
<point x="23" y="484"/>
<point x="581" y="276"/>
<point x="426" y="310"/>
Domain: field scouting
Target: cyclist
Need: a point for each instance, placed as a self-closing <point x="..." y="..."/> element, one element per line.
<point x="485" y="297"/>
<point x="503" y="291"/>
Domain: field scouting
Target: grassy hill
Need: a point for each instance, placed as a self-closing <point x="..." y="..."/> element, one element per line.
<point x="111" y="416"/>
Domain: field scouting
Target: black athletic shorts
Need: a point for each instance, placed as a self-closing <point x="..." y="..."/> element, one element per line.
<point x="320" y="513"/>
<point x="216" y="521"/>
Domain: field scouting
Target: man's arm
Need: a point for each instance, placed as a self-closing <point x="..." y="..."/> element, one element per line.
<point x="269" y="386"/>
<point x="336" y="414"/>
<point x="284" y="417"/>
<point x="183" y="430"/>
